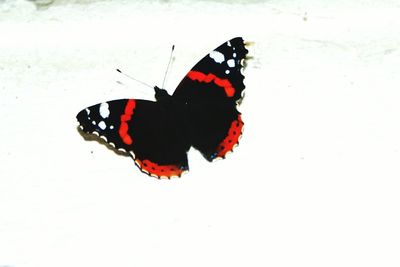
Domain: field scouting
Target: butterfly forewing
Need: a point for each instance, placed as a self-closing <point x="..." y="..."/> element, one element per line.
<point x="217" y="75"/>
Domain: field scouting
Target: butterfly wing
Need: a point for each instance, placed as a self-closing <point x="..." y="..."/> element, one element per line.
<point x="211" y="90"/>
<point x="216" y="76"/>
<point x="150" y="133"/>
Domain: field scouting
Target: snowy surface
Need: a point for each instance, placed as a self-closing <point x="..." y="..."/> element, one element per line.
<point x="314" y="182"/>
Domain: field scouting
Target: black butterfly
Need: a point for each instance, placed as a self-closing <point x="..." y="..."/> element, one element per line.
<point x="201" y="113"/>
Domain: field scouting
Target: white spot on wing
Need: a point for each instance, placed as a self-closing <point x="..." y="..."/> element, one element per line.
<point x="104" y="111"/>
<point x="217" y="56"/>
<point x="111" y="127"/>
<point x="234" y="54"/>
<point x="87" y="111"/>
<point x="102" y="125"/>
<point x="228" y="43"/>
<point x="93" y="122"/>
<point x="231" y="63"/>
<point x="227" y="72"/>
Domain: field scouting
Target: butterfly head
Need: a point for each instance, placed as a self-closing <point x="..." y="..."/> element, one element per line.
<point x="161" y="94"/>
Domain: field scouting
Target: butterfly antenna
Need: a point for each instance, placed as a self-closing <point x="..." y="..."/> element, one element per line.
<point x="136" y="80"/>
<point x="169" y="63"/>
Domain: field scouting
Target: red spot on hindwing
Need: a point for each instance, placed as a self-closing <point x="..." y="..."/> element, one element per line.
<point x="159" y="170"/>
<point x="232" y="138"/>
<point x="208" y="78"/>
<point x="125" y="118"/>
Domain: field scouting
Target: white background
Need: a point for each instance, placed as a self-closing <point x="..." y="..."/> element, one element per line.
<point x="314" y="182"/>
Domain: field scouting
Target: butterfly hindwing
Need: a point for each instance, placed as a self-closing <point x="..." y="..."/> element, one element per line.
<point x="140" y="128"/>
<point x="215" y="128"/>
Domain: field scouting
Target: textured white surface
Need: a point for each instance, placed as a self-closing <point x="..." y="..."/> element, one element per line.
<point x="314" y="182"/>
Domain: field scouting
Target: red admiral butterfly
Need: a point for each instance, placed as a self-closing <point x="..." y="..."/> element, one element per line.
<point x="201" y="113"/>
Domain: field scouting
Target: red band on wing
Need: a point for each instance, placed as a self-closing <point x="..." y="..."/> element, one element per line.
<point x="159" y="170"/>
<point x="201" y="77"/>
<point x="125" y="118"/>
<point x="232" y="139"/>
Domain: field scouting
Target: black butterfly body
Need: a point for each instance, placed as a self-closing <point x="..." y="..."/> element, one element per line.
<point x="201" y="113"/>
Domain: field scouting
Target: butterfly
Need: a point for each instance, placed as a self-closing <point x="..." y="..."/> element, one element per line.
<point x="201" y="113"/>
